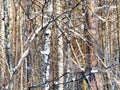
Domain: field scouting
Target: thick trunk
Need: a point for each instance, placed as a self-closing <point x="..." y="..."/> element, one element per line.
<point x="92" y="46"/>
<point x="46" y="52"/>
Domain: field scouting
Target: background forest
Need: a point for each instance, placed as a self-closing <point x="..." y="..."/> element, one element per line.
<point x="59" y="44"/>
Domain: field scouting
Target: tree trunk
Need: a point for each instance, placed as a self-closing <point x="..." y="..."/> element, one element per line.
<point x="7" y="34"/>
<point x="60" y="46"/>
<point x="3" y="60"/>
<point x="92" y="38"/>
<point x="46" y="52"/>
<point x="67" y="77"/>
<point x="21" y="51"/>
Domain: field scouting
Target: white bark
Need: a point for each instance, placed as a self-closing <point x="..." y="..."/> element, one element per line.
<point x="46" y="52"/>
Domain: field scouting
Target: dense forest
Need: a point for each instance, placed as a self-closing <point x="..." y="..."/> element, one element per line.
<point x="59" y="44"/>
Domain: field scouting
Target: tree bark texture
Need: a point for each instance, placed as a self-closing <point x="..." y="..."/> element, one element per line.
<point x="92" y="38"/>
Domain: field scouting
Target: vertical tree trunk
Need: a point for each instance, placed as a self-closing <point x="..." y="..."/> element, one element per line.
<point x="67" y="78"/>
<point x="92" y="46"/>
<point x="28" y="58"/>
<point x="21" y="51"/>
<point x="11" y="19"/>
<point x="7" y="34"/>
<point x="60" y="46"/>
<point x="15" y="39"/>
<point x="2" y="50"/>
<point x="118" y="32"/>
<point x="46" y="52"/>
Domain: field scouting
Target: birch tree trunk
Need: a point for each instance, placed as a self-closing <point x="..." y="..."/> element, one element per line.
<point x="46" y="52"/>
<point x="67" y="78"/>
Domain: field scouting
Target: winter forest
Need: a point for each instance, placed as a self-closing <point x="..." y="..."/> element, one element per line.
<point x="59" y="44"/>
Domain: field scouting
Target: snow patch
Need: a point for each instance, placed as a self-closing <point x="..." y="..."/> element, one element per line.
<point x="94" y="71"/>
<point x="45" y="52"/>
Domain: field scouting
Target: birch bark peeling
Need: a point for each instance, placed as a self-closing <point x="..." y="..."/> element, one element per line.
<point x="92" y="45"/>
